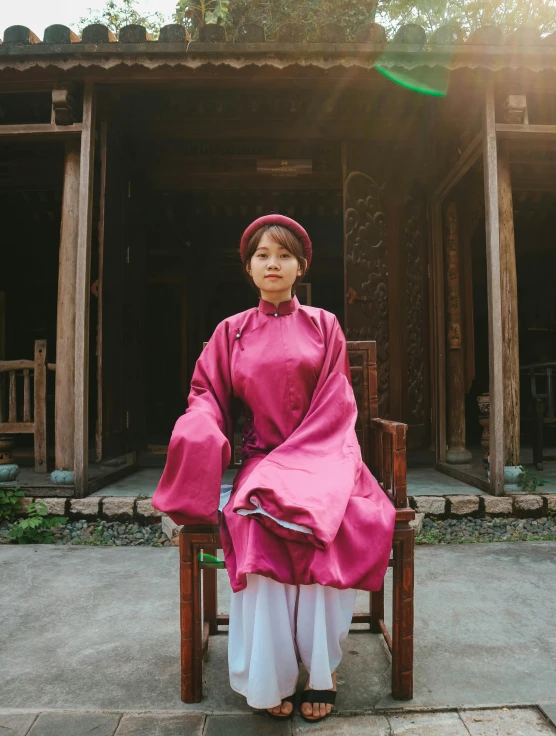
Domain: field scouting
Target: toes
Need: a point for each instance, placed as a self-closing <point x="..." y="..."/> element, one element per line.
<point x="307" y="709"/>
<point x="287" y="708"/>
<point x="316" y="710"/>
<point x="328" y="708"/>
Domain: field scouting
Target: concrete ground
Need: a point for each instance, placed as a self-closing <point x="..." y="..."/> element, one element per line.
<point x="97" y="629"/>
<point x="420" y="482"/>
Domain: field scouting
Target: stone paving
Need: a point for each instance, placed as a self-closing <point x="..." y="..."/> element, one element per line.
<point x="481" y="722"/>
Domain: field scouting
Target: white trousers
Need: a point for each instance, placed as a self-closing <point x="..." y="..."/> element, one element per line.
<point x="271" y="623"/>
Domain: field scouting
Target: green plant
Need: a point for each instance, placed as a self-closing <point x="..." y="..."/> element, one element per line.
<point x="528" y="481"/>
<point x="10" y="500"/>
<point x="432" y="536"/>
<point x="119" y="13"/>
<point x="196" y="14"/>
<point x="36" y="528"/>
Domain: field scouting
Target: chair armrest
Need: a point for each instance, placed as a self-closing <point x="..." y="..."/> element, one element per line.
<point x="388" y="458"/>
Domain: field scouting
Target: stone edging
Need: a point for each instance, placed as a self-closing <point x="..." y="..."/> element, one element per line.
<point x="453" y="507"/>
<point x="110" y="508"/>
<point x="457" y="507"/>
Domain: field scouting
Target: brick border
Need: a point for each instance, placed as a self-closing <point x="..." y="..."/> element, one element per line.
<point x="443" y="507"/>
<point x="459" y="507"/>
<point x="108" y="508"/>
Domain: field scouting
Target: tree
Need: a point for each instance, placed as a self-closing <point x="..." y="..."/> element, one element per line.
<point x="470" y="14"/>
<point x="232" y="14"/>
<point x="120" y="13"/>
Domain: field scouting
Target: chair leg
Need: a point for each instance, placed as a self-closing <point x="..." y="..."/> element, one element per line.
<point x="402" y="615"/>
<point x="377" y="609"/>
<point x="538" y="449"/>
<point x="190" y="623"/>
<point x="210" y="595"/>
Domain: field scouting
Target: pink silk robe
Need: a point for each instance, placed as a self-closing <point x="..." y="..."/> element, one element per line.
<point x="301" y="458"/>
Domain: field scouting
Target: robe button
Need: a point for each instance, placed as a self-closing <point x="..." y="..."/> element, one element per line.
<point x="275" y="314"/>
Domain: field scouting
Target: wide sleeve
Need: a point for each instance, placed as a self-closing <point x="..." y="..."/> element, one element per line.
<point x="199" y="451"/>
<point x="309" y="479"/>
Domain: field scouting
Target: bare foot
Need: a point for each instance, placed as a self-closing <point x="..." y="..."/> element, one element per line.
<point x="284" y="709"/>
<point x="318" y="710"/>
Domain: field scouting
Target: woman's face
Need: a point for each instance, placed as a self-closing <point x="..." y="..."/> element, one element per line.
<point x="274" y="270"/>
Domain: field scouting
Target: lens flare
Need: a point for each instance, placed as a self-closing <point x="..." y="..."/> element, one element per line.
<point x="425" y="80"/>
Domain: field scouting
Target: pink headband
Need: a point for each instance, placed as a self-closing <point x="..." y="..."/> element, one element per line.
<point x="284" y="221"/>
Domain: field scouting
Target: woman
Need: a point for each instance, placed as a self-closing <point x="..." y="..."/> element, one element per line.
<point x="306" y="524"/>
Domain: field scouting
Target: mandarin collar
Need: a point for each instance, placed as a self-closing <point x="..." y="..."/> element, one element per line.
<point x="283" y="308"/>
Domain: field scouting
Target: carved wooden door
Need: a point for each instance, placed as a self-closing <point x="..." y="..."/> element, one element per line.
<point x="386" y="285"/>
<point x="414" y="327"/>
<point x="366" y="274"/>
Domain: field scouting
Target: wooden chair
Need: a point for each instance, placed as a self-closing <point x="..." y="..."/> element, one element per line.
<point x="32" y="422"/>
<point x="383" y="446"/>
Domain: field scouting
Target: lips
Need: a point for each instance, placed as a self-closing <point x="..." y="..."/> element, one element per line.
<point x="273" y="277"/>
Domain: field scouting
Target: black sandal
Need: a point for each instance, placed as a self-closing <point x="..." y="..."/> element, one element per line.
<point x="317" y="696"/>
<point x="291" y="699"/>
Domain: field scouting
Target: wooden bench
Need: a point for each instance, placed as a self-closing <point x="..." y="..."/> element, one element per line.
<point x="31" y="422"/>
<point x="383" y="448"/>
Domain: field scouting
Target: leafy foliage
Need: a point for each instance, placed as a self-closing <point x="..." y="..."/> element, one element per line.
<point x="36" y="528"/>
<point x="470" y="14"/>
<point x="311" y="13"/>
<point x="119" y="13"/>
<point x="10" y="500"/>
<point x="195" y="14"/>
<point x="528" y="481"/>
<point x="467" y="14"/>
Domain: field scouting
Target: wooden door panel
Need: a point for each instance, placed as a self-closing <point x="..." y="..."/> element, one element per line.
<point x="120" y="294"/>
<point x="386" y="290"/>
<point x="414" y="325"/>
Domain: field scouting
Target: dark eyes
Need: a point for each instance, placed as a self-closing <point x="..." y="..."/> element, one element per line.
<point x="263" y="255"/>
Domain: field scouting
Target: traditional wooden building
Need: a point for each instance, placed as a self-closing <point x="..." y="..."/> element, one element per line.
<point x="424" y="169"/>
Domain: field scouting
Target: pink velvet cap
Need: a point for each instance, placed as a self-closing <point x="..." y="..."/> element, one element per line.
<point x="284" y="221"/>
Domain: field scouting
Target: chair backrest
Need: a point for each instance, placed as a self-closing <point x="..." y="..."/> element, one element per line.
<point x="383" y="442"/>
<point x="28" y="414"/>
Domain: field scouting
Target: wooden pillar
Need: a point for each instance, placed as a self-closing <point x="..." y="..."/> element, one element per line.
<point x="65" y="330"/>
<point x="457" y="454"/>
<point x="510" y="335"/>
<point x="82" y="293"/>
<point x="496" y="386"/>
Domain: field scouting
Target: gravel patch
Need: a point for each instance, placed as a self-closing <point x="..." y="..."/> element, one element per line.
<point x="498" y="529"/>
<point x="103" y="534"/>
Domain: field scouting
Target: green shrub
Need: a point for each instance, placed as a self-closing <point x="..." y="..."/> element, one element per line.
<point x="36" y="528"/>
<point x="10" y="499"/>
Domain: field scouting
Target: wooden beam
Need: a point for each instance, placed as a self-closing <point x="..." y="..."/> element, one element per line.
<point x="82" y="293"/>
<point x="65" y="331"/>
<point x="17" y="427"/>
<point x="467" y="159"/>
<point x="496" y="383"/>
<point x="510" y="329"/>
<point x="523" y="132"/>
<point x="40" y="131"/>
